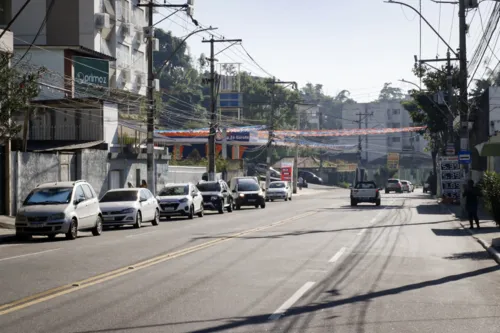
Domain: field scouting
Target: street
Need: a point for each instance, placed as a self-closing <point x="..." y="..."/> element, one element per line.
<point x="314" y="264"/>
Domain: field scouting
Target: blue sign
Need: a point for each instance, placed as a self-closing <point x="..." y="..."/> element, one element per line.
<point x="464" y="157"/>
<point x="231" y="100"/>
<point x="237" y="136"/>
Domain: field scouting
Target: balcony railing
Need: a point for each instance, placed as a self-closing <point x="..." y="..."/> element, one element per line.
<point x="92" y="132"/>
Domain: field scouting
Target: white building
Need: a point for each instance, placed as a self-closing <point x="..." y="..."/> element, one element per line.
<point x="110" y="27"/>
<point x="389" y="114"/>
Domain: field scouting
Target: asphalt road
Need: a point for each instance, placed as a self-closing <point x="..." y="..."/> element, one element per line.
<point x="311" y="265"/>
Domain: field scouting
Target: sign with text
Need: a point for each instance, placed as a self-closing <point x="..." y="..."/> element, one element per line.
<point x="88" y="72"/>
<point x="451" y="177"/>
<point x="235" y="137"/>
<point x="393" y="161"/>
<point x="286" y="171"/>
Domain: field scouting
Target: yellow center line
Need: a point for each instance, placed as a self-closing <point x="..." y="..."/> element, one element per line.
<point x="97" y="279"/>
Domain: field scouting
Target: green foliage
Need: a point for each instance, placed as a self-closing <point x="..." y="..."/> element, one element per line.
<point x="16" y="91"/>
<point x="389" y="93"/>
<point x="344" y="184"/>
<point x="490" y="187"/>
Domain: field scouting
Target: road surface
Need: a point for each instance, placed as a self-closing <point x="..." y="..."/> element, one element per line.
<point x="311" y="265"/>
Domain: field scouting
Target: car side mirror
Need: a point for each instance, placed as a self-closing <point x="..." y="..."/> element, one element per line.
<point x="143" y="199"/>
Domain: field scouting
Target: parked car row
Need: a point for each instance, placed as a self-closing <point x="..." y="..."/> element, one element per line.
<point x="399" y="186"/>
<point x="69" y="207"/>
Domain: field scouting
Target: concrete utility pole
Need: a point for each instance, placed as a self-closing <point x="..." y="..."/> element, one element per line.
<point x="450" y="99"/>
<point x="321" y="152"/>
<point x="364" y="114"/>
<point x="271" y="126"/>
<point x="213" y="104"/>
<point x="464" y="106"/>
<point x="151" y="176"/>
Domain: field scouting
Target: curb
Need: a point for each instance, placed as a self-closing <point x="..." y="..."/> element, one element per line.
<point x="4" y="225"/>
<point x="490" y="249"/>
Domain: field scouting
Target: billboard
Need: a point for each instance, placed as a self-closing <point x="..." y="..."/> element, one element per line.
<point x="286" y="171"/>
<point x="393" y="161"/>
<point x="89" y="72"/>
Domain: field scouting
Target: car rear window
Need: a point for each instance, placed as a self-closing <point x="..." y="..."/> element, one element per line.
<point x="405" y="183"/>
<point x="365" y="186"/>
<point x="393" y="181"/>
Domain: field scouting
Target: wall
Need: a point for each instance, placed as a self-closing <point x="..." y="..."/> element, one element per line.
<point x="29" y="21"/>
<point x="31" y="169"/>
<point x="134" y="170"/>
<point x="110" y="118"/>
<point x="184" y="174"/>
<point x="7" y="42"/>
<point x="53" y="60"/>
<point x="93" y="167"/>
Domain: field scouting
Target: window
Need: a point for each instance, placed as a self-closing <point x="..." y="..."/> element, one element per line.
<point x="79" y="194"/>
<point x="57" y="195"/>
<point x="119" y="196"/>
<point x="5" y="12"/>
<point x="122" y="55"/>
<point x="137" y="177"/>
<point x="144" y="196"/>
<point x="396" y="111"/>
<point x="138" y="59"/>
<point x="87" y="191"/>
<point x="209" y="187"/>
<point x="174" y="190"/>
<point x="396" y="139"/>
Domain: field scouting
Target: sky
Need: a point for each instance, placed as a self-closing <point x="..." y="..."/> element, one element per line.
<point x="356" y="45"/>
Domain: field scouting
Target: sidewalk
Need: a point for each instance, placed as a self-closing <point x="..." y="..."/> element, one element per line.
<point x="488" y="235"/>
<point x="7" y="227"/>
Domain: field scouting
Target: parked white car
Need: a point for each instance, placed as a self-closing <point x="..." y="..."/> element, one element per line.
<point x="180" y="200"/>
<point x="59" y="208"/>
<point x="131" y="206"/>
<point x="279" y="190"/>
<point x="407" y="186"/>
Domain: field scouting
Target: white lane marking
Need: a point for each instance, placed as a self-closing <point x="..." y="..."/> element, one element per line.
<point x="29" y="254"/>
<point x="291" y="301"/>
<point x="141" y="234"/>
<point x="338" y="255"/>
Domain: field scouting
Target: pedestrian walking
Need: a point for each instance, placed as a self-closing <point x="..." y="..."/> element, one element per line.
<point x="471" y="196"/>
<point x="301" y="182"/>
<point x="144" y="184"/>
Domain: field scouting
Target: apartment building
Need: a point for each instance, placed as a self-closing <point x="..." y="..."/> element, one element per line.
<point x="387" y="114"/>
<point x="110" y="27"/>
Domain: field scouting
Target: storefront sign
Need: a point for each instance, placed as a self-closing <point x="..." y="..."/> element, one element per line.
<point x="90" y="72"/>
<point x="286" y="171"/>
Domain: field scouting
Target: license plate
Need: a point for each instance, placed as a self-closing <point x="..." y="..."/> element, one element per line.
<point x="251" y="200"/>
<point x="41" y="225"/>
<point x="109" y="219"/>
<point x="169" y="209"/>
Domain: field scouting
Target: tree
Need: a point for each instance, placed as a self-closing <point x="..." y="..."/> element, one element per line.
<point x="17" y="89"/>
<point x="389" y="93"/>
<point x="425" y="110"/>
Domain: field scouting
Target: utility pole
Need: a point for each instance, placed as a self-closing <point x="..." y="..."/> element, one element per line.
<point x="151" y="174"/>
<point x="464" y="107"/>
<point x="365" y="114"/>
<point x="274" y="82"/>
<point x="321" y="152"/>
<point x="213" y="104"/>
<point x="450" y="99"/>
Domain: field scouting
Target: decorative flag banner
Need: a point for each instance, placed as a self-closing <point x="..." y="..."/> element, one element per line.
<point x="346" y="132"/>
<point x="205" y="131"/>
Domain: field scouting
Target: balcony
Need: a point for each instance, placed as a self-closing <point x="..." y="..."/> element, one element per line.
<point x="89" y="132"/>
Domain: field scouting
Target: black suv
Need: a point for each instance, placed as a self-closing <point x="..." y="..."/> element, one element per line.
<point x="216" y="196"/>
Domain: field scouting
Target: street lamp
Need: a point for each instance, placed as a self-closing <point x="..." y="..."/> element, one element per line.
<point x="412" y="83"/>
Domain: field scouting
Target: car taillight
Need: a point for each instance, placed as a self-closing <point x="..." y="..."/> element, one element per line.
<point x="399" y="185"/>
<point x="376" y="191"/>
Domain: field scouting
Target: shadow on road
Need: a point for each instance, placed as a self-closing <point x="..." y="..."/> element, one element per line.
<point x="433" y="209"/>
<point x="480" y="255"/>
<point x="237" y="322"/>
<point x="462" y="232"/>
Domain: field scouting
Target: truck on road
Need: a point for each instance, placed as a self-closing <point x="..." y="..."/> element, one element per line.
<point x="365" y="192"/>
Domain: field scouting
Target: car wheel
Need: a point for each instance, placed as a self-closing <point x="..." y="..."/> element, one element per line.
<point x="263" y="205"/>
<point x="191" y="213"/>
<point x="97" y="230"/>
<point x="201" y="212"/>
<point x="230" y="207"/>
<point x="238" y="207"/>
<point x="353" y="202"/>
<point x="73" y="230"/>
<point x="221" y="209"/>
<point x="267" y="199"/>
<point x="290" y="198"/>
<point x="156" y="220"/>
<point x="256" y="206"/>
<point x="377" y="203"/>
<point x="138" y="220"/>
<point x="286" y="199"/>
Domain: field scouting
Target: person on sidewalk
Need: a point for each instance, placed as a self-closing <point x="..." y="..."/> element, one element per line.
<point x="471" y="195"/>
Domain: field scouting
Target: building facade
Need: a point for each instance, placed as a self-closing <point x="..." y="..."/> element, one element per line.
<point x="386" y="114"/>
<point x="111" y="27"/>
